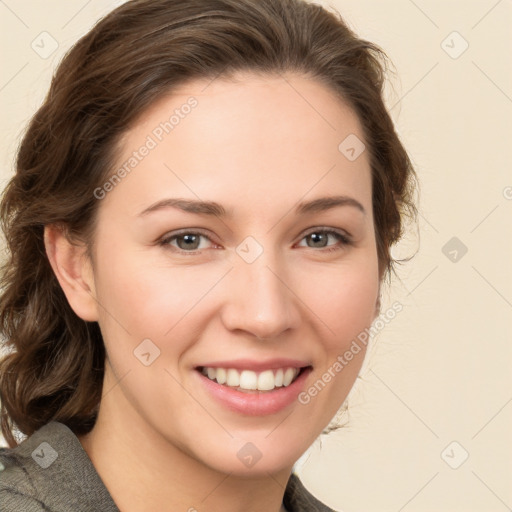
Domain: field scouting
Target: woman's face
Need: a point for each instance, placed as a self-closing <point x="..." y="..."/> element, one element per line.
<point x="267" y="285"/>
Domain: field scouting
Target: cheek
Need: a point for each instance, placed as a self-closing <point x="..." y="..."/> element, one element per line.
<point x="147" y="298"/>
<point x="344" y="300"/>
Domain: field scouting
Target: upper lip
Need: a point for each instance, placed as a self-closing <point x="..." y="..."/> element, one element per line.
<point x="249" y="364"/>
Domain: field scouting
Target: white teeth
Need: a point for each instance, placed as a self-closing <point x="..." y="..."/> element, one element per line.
<point x="267" y="380"/>
<point x="233" y="378"/>
<point x="248" y="380"/>
<point x="289" y="374"/>
<point x="221" y="376"/>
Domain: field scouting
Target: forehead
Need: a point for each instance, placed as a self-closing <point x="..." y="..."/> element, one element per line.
<point x="252" y="135"/>
<point x="275" y="102"/>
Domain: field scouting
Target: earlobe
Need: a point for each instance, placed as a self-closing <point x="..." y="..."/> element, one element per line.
<point x="73" y="271"/>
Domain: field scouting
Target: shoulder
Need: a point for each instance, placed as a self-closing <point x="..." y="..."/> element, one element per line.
<point x="12" y="501"/>
<point x="18" y="480"/>
<point x="22" y="469"/>
<point x="16" y="490"/>
<point x="50" y="471"/>
<point x="298" y="499"/>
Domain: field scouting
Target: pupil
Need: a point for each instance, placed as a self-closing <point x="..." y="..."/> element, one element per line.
<point x="318" y="237"/>
<point x="188" y="239"/>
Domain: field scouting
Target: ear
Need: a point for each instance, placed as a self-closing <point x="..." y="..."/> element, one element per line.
<point x="73" y="270"/>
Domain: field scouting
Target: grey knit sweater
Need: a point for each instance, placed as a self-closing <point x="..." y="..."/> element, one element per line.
<point x="50" y="471"/>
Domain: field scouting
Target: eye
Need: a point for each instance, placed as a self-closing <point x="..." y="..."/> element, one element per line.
<point x="186" y="241"/>
<point x="320" y="237"/>
<point x="191" y="241"/>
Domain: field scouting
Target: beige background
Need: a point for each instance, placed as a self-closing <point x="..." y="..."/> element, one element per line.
<point x="440" y="371"/>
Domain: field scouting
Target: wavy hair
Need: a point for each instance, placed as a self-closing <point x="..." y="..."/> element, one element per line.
<point x="53" y="365"/>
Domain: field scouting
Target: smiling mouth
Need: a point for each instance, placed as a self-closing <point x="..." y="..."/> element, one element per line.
<point x="249" y="381"/>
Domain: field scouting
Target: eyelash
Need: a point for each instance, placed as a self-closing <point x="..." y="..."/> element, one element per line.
<point x="343" y="238"/>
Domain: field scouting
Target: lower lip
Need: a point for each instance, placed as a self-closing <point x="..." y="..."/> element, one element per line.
<point x="255" y="404"/>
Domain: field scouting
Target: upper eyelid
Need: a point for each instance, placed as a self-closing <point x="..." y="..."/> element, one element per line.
<point x="326" y="229"/>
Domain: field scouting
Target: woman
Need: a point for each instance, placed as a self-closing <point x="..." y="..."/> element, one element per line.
<point x="198" y="227"/>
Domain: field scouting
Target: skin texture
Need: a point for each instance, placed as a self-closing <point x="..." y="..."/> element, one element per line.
<point x="258" y="146"/>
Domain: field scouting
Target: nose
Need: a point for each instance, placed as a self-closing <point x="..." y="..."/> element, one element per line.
<point x="260" y="300"/>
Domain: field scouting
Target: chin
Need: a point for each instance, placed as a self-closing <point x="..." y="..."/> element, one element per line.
<point x="255" y="454"/>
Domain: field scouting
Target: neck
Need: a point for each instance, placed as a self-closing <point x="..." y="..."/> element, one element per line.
<point x="144" y="472"/>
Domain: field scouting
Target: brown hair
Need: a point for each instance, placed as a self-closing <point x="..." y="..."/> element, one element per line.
<point x="54" y="366"/>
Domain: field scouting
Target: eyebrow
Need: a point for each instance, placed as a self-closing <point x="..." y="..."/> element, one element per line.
<point x="216" y="209"/>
